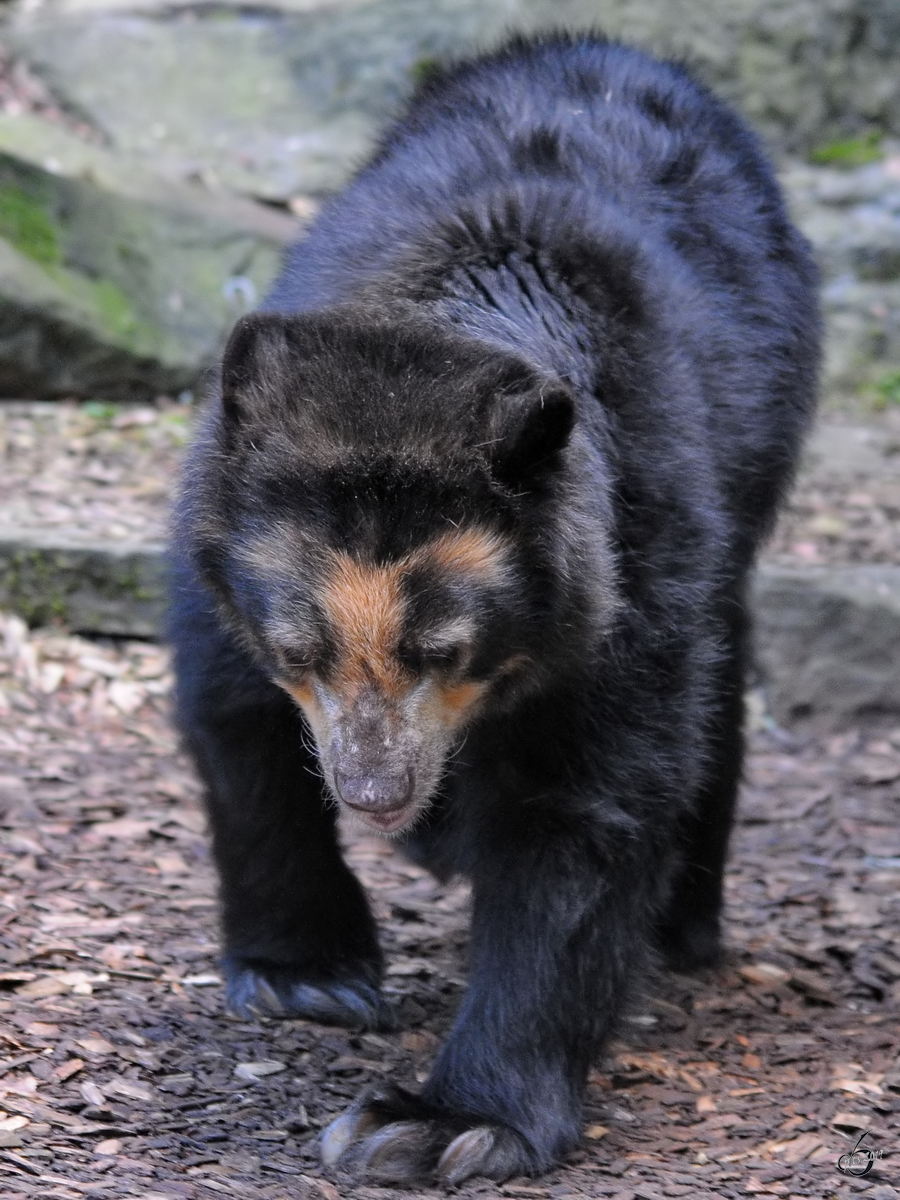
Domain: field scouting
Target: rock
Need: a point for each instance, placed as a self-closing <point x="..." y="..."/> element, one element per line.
<point x="54" y="148"/>
<point x="828" y="641"/>
<point x="91" y="588"/>
<point x="852" y="219"/>
<point x="104" y="295"/>
<point x="290" y="97"/>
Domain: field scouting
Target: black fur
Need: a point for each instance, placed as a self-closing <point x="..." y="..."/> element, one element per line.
<point x="564" y="303"/>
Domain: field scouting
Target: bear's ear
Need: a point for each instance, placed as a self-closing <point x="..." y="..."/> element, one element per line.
<point x="253" y="362"/>
<point x="528" y="432"/>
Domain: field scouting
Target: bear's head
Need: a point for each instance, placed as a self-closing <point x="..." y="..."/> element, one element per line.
<point x="382" y="519"/>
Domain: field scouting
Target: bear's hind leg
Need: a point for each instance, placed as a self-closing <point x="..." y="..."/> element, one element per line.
<point x="689" y="934"/>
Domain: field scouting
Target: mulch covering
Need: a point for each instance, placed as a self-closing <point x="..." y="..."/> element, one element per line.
<point x="837" y="516"/>
<point x="121" y="1076"/>
<point x="98" y="472"/>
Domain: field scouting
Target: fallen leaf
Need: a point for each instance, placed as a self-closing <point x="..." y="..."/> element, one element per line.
<point x="42" y="1029"/>
<point x="850" y="1120"/>
<point x="798" y="1148"/>
<point x="91" y="925"/>
<point x="318" y="1189"/>
<point x="172" y="864"/>
<point x="123" y="827"/>
<point x="127" y="697"/>
<point x="67" y="1069"/>
<point x="19" y="1085"/>
<point x="596" y="1132"/>
<point x="856" y="1087"/>
<point x="95" y="1044"/>
<point x="878" y="770"/>
<point x="810" y="983"/>
<point x="49" y="986"/>
<point x="251" y="1071"/>
<point x="764" y="974"/>
<point x="706" y="1104"/>
<point x="130" y="1088"/>
<point x="92" y="1094"/>
<point x="108" y="1146"/>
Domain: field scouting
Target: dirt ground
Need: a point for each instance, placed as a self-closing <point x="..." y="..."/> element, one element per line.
<point x="120" y="1075"/>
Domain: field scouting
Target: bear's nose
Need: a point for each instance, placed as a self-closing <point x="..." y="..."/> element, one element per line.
<point x="374" y="793"/>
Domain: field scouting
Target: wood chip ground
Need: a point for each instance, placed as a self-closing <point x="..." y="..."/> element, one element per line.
<point x="121" y="1076"/>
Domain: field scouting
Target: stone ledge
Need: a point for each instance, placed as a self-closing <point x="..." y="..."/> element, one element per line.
<point x="109" y="588"/>
<point x="827" y="638"/>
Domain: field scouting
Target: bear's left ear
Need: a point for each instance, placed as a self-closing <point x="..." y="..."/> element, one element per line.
<point x="528" y="432"/>
<point x="253" y="362"/>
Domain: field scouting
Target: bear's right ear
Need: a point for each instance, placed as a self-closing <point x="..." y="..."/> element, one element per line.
<point x="253" y="362"/>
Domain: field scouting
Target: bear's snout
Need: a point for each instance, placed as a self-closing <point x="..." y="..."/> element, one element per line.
<point x="373" y="792"/>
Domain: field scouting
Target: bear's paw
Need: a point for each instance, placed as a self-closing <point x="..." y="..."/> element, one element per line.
<point x="390" y="1136"/>
<point x="258" y="992"/>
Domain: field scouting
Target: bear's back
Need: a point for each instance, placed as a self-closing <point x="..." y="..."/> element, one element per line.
<point x="574" y="115"/>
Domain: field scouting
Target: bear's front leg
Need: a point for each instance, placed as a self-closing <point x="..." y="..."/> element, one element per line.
<point x="556" y="929"/>
<point x="299" y="940"/>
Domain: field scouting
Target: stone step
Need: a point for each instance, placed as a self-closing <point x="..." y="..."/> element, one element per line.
<point x="113" y="588"/>
<point x="827" y="638"/>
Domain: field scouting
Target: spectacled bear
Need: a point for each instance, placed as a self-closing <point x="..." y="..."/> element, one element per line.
<point x="463" y="547"/>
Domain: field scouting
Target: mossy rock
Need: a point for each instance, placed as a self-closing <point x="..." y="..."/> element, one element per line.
<point x="107" y="296"/>
<point x="290" y="98"/>
<point x="88" y="588"/>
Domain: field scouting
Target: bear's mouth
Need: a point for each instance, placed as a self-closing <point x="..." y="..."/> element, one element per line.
<point x="388" y="822"/>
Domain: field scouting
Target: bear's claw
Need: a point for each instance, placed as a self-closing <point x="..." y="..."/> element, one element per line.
<point x="251" y="992"/>
<point x="371" y="1142"/>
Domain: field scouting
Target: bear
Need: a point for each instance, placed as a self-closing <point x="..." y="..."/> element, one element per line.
<point x="462" y="550"/>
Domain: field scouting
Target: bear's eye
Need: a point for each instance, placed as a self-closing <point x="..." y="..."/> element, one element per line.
<point x="445" y="647"/>
<point x="295" y="658"/>
<point x="446" y="657"/>
<point x="420" y="658"/>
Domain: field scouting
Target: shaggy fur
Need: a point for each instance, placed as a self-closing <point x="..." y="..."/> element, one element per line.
<point x="463" y="546"/>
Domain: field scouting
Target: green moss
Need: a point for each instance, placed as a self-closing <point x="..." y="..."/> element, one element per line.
<point x="852" y="152"/>
<point x="886" y="390"/>
<point x="24" y="222"/>
<point x="29" y="589"/>
<point x="424" y="70"/>
<point x="111" y="308"/>
<point x="100" y="411"/>
<point x="114" y="308"/>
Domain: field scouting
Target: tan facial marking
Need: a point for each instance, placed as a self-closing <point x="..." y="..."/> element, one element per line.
<point x="365" y="607"/>
<point x="457" y="700"/>
<point x="306" y="697"/>
<point x="474" y="551"/>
